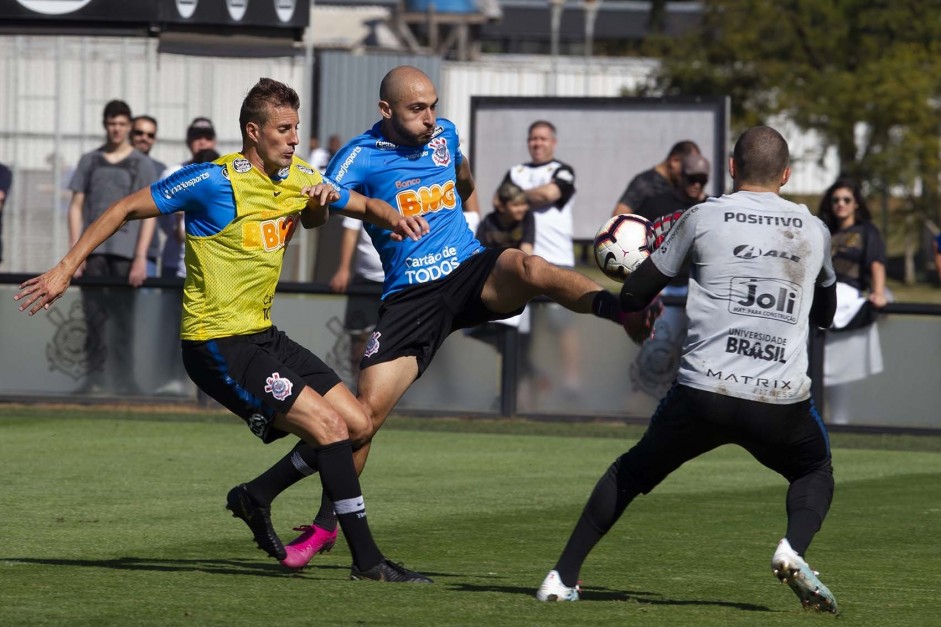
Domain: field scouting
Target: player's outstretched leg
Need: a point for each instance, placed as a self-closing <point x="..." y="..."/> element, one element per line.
<point x="791" y="569"/>
<point x="258" y="519"/>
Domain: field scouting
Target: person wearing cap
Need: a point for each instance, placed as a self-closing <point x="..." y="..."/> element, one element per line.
<point x="659" y="359"/>
<point x="171" y="377"/>
<point x="663" y="177"/>
<point x="200" y="136"/>
<point x="690" y="189"/>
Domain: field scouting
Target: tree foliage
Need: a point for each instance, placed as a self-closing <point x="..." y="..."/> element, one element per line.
<point x="864" y="74"/>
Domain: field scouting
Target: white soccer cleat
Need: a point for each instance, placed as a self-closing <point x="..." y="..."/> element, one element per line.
<point x="552" y="589"/>
<point x="791" y="569"/>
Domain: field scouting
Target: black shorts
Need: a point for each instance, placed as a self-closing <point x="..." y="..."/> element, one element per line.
<point x="256" y="376"/>
<point x="789" y="439"/>
<point x="417" y="320"/>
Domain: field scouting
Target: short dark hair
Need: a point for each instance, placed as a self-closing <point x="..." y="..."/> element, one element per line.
<point x="266" y="94"/>
<point x="825" y="210"/>
<point x="146" y="118"/>
<point x="510" y="191"/>
<point x="546" y="123"/>
<point x="760" y="156"/>
<point x="683" y="148"/>
<point x="115" y="108"/>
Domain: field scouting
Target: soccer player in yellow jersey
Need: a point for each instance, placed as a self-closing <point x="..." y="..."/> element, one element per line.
<point x="241" y="212"/>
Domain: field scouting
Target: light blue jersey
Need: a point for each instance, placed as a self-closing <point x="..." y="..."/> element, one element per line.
<point x="416" y="181"/>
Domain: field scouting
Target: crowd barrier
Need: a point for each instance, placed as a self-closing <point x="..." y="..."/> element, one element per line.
<point x="501" y="373"/>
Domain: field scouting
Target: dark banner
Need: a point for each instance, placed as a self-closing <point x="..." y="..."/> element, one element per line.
<point x="249" y="14"/>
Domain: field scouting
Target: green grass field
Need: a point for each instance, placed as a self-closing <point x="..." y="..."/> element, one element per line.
<point x="115" y="517"/>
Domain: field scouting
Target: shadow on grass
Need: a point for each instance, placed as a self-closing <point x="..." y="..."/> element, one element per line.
<point x="211" y="566"/>
<point x="607" y="594"/>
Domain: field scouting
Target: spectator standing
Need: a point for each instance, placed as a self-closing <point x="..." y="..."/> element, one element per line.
<point x="656" y="364"/>
<point x="143" y="137"/>
<point x="101" y="178"/>
<point x="663" y="177"/>
<point x="200" y="136"/>
<point x="167" y="363"/>
<point x="6" y="182"/>
<point x="549" y="185"/>
<point x="725" y="395"/>
<point x="852" y="349"/>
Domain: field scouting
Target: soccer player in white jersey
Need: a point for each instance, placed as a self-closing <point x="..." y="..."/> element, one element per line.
<point x="760" y="274"/>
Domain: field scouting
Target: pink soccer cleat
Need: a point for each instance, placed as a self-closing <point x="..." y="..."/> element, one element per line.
<point x="312" y="541"/>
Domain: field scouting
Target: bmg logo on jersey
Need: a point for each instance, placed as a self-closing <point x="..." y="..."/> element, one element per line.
<point x="272" y="234"/>
<point x="774" y="299"/>
<point x="416" y="202"/>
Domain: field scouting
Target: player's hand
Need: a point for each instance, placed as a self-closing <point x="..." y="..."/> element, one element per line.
<point x="878" y="300"/>
<point x="41" y="291"/>
<point x="320" y="195"/>
<point x="412" y="227"/>
<point x="340" y="281"/>
<point x="138" y="273"/>
<point x="639" y="324"/>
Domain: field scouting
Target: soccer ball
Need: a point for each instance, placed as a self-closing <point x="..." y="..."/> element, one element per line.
<point x="621" y="245"/>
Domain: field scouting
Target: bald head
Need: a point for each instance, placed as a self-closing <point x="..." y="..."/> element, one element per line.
<point x="760" y="158"/>
<point x="401" y="82"/>
<point x="408" y="103"/>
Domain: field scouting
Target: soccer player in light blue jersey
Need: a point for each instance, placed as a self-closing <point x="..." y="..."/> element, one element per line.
<point x="434" y="286"/>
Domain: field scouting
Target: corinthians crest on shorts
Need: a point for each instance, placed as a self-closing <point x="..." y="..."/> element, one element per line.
<point x="279" y="388"/>
<point x="372" y="345"/>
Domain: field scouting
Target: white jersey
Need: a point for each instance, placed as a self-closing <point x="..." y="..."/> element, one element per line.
<point x="366" y="262"/>
<point x="755" y="259"/>
<point x="553" y="222"/>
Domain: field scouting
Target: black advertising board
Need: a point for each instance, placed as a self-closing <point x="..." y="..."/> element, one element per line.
<point x="155" y="14"/>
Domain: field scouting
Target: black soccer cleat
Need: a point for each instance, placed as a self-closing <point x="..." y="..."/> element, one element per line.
<point x="258" y="519"/>
<point x="388" y="571"/>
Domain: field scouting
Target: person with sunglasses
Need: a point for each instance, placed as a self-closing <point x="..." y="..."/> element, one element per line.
<point x="655" y="367"/>
<point x="101" y="178"/>
<point x="852" y="350"/>
<point x="661" y="178"/>
<point x="143" y="137"/>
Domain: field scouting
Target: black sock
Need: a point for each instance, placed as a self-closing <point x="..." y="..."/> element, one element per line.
<point x="606" y="305"/>
<point x="338" y="475"/>
<point x="299" y="463"/>
<point x="612" y="494"/>
<point x="326" y="518"/>
<point x="808" y="501"/>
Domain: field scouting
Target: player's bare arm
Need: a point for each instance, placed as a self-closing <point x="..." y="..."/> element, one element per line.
<point x="381" y="213"/>
<point x="317" y="212"/>
<point x="40" y="292"/>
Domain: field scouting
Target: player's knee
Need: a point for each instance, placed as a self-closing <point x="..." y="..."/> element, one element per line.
<point x="533" y="269"/>
<point x="361" y="429"/>
<point x="323" y="427"/>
